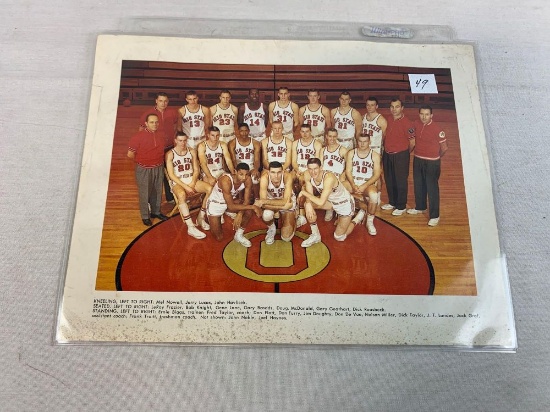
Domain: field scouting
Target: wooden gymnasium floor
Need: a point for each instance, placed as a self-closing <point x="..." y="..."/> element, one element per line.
<point x="440" y="257"/>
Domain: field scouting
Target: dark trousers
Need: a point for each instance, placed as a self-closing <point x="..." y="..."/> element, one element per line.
<point x="396" y="174"/>
<point x="426" y="184"/>
<point x="149" y="183"/>
<point x="167" y="192"/>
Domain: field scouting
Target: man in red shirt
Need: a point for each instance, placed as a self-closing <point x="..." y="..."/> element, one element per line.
<point x="430" y="146"/>
<point x="168" y="120"/>
<point x="398" y="143"/>
<point x="147" y="149"/>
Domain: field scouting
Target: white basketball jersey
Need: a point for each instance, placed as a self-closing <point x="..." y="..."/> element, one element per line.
<point x="371" y="128"/>
<point x="363" y="168"/>
<point x="338" y="195"/>
<point x="244" y="154"/>
<point x="276" y="151"/>
<point x="275" y="192"/>
<point x="345" y="125"/>
<point x="316" y="120"/>
<point x="183" y="166"/>
<point x="214" y="160"/>
<point x="303" y="153"/>
<point x="255" y="119"/>
<point x="192" y="125"/>
<point x="333" y="162"/>
<point x="224" y="119"/>
<point x="285" y="115"/>
<point x="217" y="193"/>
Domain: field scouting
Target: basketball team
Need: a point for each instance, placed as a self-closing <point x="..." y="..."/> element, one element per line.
<point x="246" y="161"/>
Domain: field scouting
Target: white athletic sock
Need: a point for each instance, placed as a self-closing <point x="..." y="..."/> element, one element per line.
<point x="314" y="229"/>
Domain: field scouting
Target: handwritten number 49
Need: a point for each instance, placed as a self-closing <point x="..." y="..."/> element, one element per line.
<point x="423" y="82"/>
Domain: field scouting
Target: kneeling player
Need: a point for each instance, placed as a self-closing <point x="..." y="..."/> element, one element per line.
<point x="363" y="169"/>
<point x="333" y="196"/>
<point x="183" y="169"/>
<point x="276" y="195"/>
<point x="227" y="195"/>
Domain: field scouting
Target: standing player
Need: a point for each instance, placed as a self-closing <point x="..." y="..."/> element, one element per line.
<point x="168" y="120"/>
<point x="333" y="196"/>
<point x="195" y="119"/>
<point x="363" y="170"/>
<point x="253" y="114"/>
<point x="374" y="125"/>
<point x="316" y="115"/>
<point x="213" y="154"/>
<point x="431" y="145"/>
<point x="277" y="148"/>
<point x="398" y="143"/>
<point x="333" y="156"/>
<point x="224" y="116"/>
<point x="224" y="198"/>
<point x="286" y="112"/>
<point x="182" y="166"/>
<point x="276" y="195"/>
<point x="244" y="149"/>
<point x="347" y="121"/>
<point x="147" y="150"/>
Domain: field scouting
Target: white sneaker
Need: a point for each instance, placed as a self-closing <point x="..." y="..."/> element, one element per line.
<point x="202" y="223"/>
<point x="242" y="240"/>
<point x="387" y="206"/>
<point x="359" y="217"/>
<point x="415" y="211"/>
<point x="270" y="235"/>
<point x="398" y="212"/>
<point x="311" y="240"/>
<point x="194" y="232"/>
<point x="300" y="221"/>
<point x="231" y="215"/>
<point x="371" y="229"/>
<point x="433" y="222"/>
<point x="328" y="215"/>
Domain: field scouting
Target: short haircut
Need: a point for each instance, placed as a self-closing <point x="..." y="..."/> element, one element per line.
<point x="191" y="93"/>
<point x="425" y="107"/>
<point x="397" y="99"/>
<point x="331" y="129"/>
<point x="213" y="129"/>
<point x="345" y="93"/>
<point x="253" y="88"/>
<point x="372" y="99"/>
<point x="306" y="125"/>
<point x="313" y="91"/>
<point x="242" y="166"/>
<point x="181" y="134"/>
<point x="314" y="160"/>
<point x="243" y="124"/>
<point x="364" y="135"/>
<point x="162" y="94"/>
<point x="225" y="91"/>
<point x="149" y="115"/>
<point x="276" y="121"/>
<point x="283" y="88"/>
<point x="275" y="165"/>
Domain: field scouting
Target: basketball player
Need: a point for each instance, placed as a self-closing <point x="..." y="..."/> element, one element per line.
<point x="276" y="195"/>
<point x="398" y="143"/>
<point x="168" y="120"/>
<point x="303" y="149"/>
<point x="195" y="119"/>
<point x="333" y="196"/>
<point x="253" y="113"/>
<point x="374" y="124"/>
<point x="316" y="115"/>
<point x="224" y="116"/>
<point x="363" y="170"/>
<point x="212" y="156"/>
<point x="430" y="146"/>
<point x="244" y="149"/>
<point x="224" y="198"/>
<point x="277" y="148"/>
<point x="347" y="121"/>
<point x="182" y="166"/>
<point x="333" y="156"/>
<point x="284" y="111"/>
<point x="146" y="148"/>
